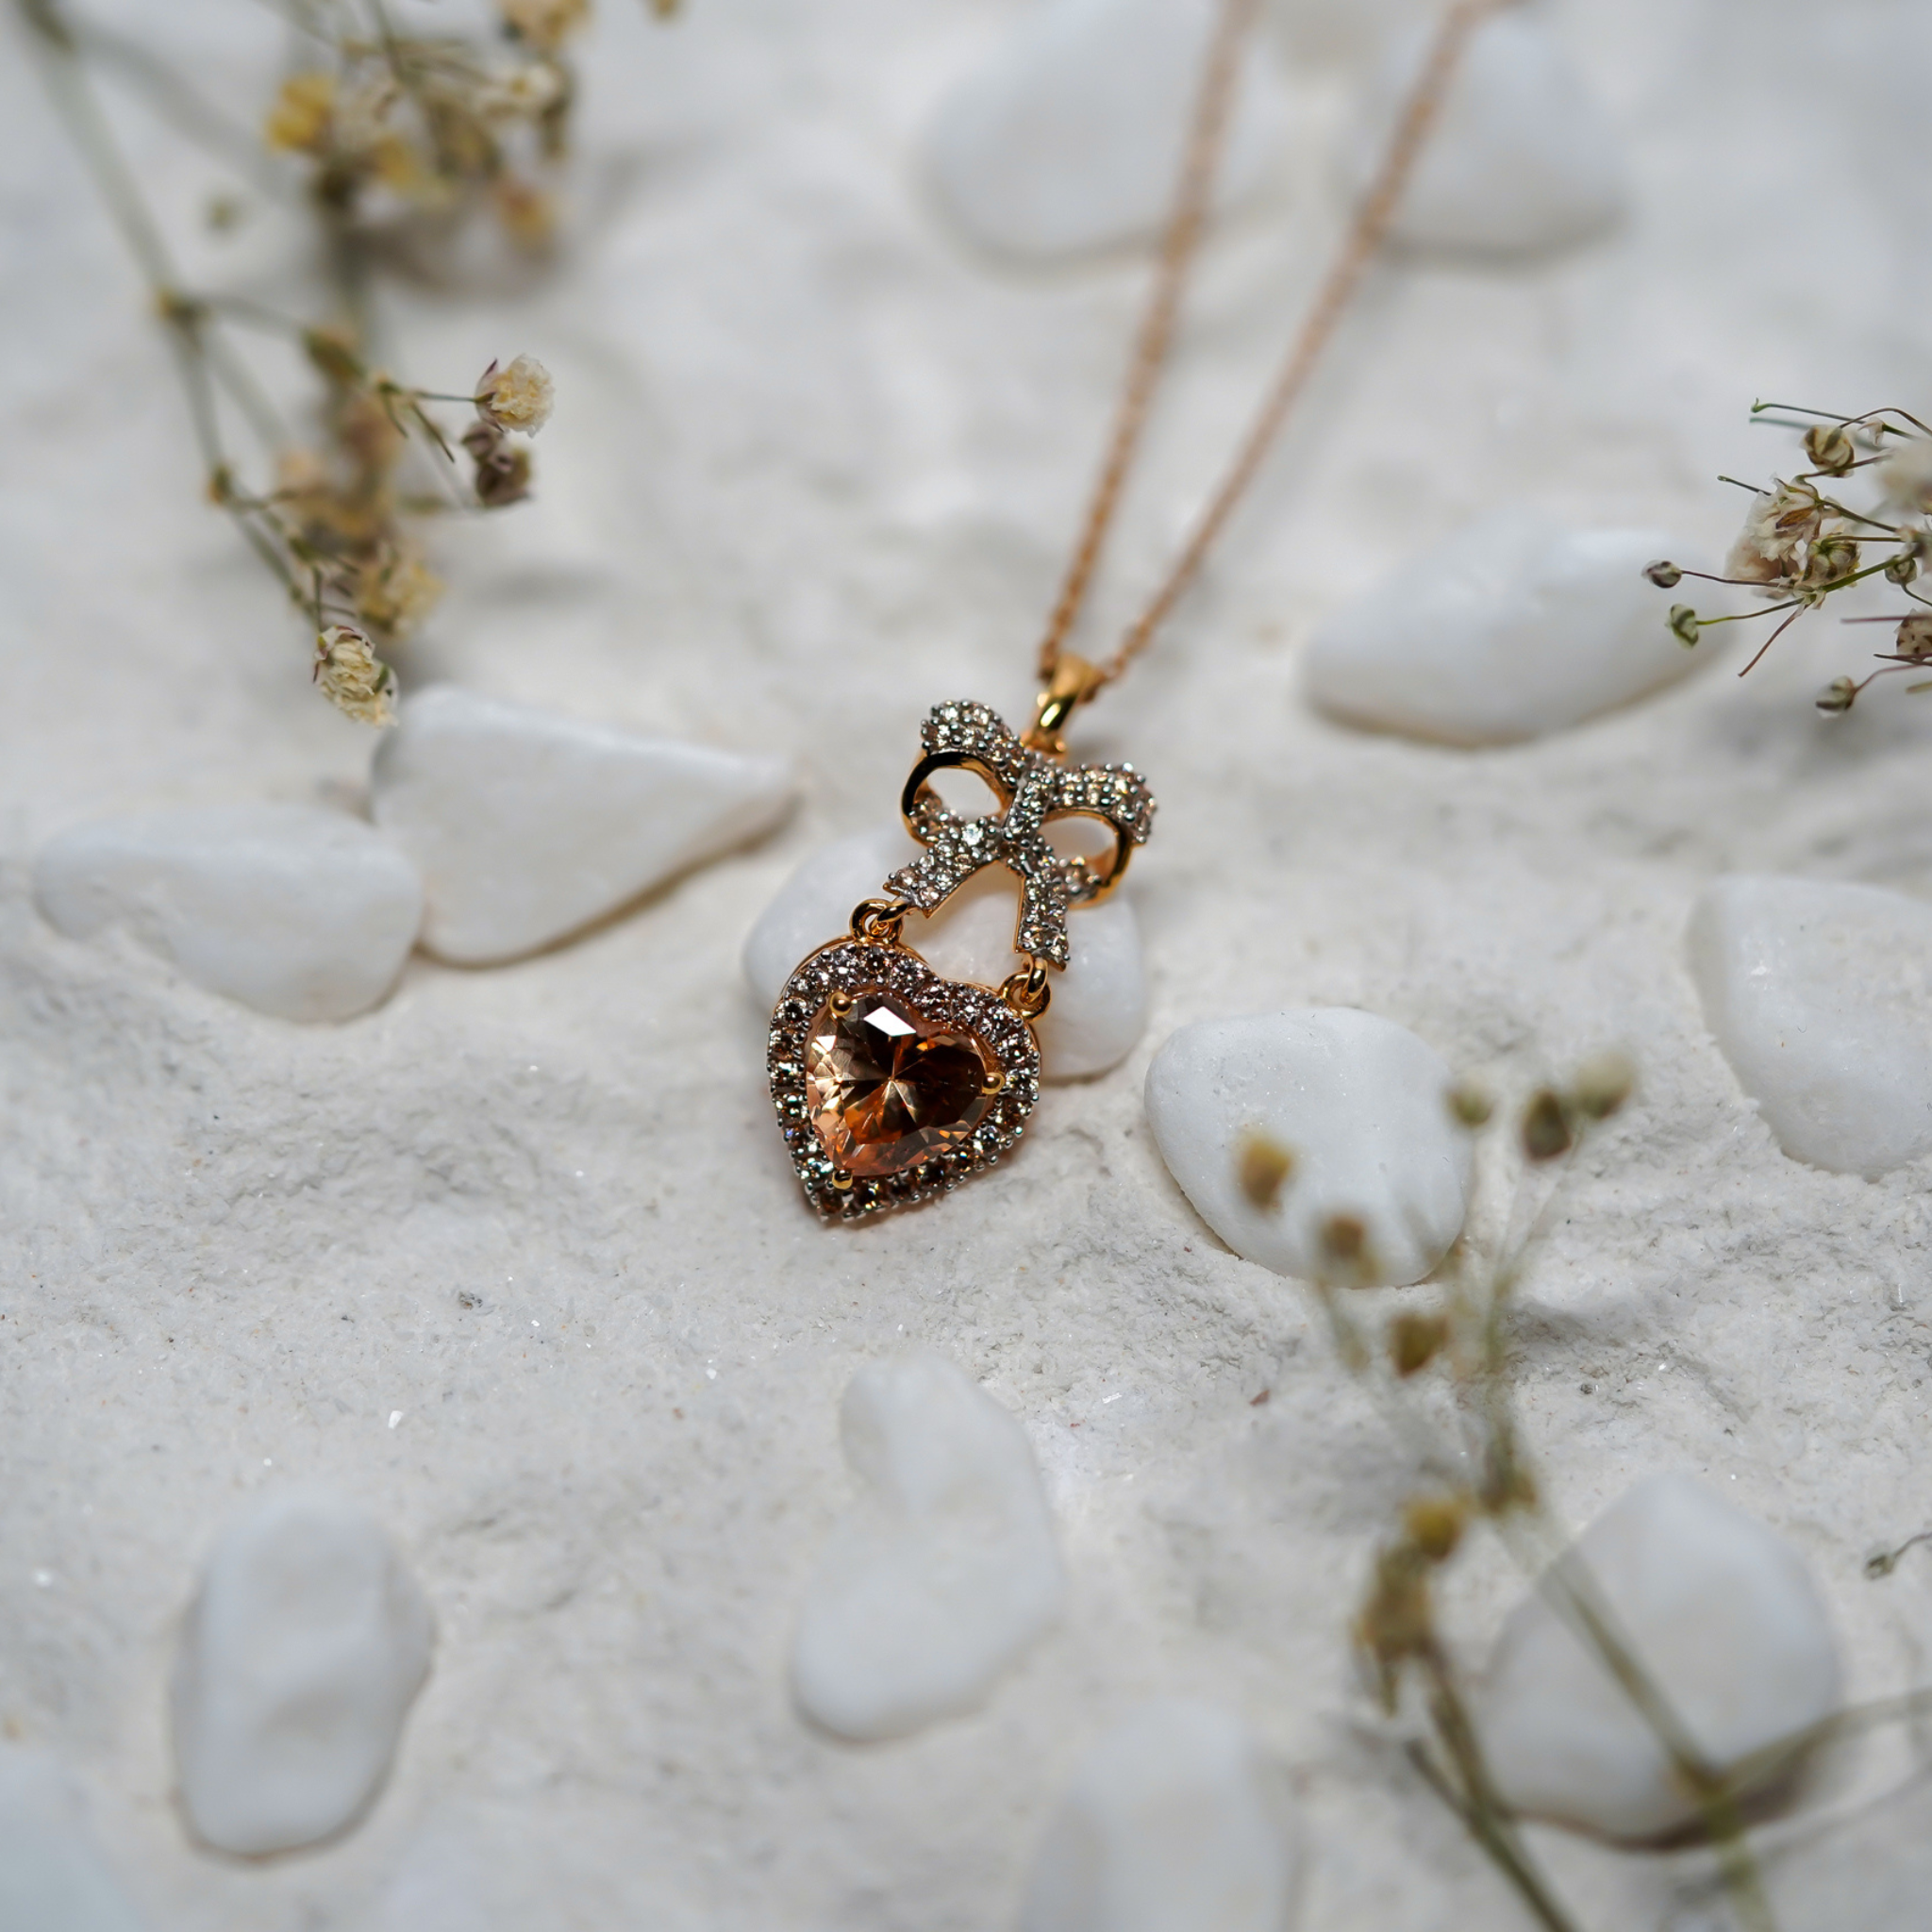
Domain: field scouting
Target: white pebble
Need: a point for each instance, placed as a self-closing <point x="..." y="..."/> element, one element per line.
<point x="302" y="913"/>
<point x="299" y="1660"/>
<point x="1175" y="1822"/>
<point x="1724" y="1619"/>
<point x="1514" y="627"/>
<point x="527" y="827"/>
<point x="1523" y="157"/>
<point x="1359" y="1104"/>
<point x="1099" y="1006"/>
<point x="941" y="1571"/>
<point x="52" y="1878"/>
<point x="1070" y="137"/>
<point x="1820" y="995"/>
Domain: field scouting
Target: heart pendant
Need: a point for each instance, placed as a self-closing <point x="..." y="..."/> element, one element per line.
<point x="891" y="1083"/>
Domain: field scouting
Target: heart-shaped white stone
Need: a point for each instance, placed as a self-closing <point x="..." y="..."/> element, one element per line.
<point x="527" y="827"/>
<point x="299" y="1658"/>
<point x="1819" y="993"/>
<point x="1523" y="157"/>
<point x="1175" y="1822"/>
<point x="1725" y="1622"/>
<point x="303" y="913"/>
<point x="1359" y="1104"/>
<point x="1070" y="137"/>
<point x="52" y="1875"/>
<point x="1099" y="1005"/>
<point x="1513" y="627"/>
<point x="942" y="1570"/>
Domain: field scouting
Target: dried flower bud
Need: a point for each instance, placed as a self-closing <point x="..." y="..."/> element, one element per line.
<point x="1546" y="1129"/>
<point x="1263" y="1167"/>
<point x="1663" y="574"/>
<point x="1903" y="567"/>
<point x="1906" y="474"/>
<point x="503" y="471"/>
<point x="530" y="219"/>
<point x="1839" y="695"/>
<point x="1830" y="446"/>
<point x="332" y="351"/>
<point x="1469" y="1105"/>
<point x="518" y="397"/>
<point x="353" y="678"/>
<point x="1413" y="1341"/>
<point x="1914" y="639"/>
<point x="1831" y="560"/>
<point x="303" y="115"/>
<point x="544" y="25"/>
<point x="1435" y="1524"/>
<point x="1684" y="624"/>
<point x="398" y="593"/>
<point x="1602" y="1084"/>
<point x="1344" y="1247"/>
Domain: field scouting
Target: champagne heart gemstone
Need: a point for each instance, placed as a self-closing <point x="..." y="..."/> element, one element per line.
<point x="886" y="1088"/>
<point x="892" y="1084"/>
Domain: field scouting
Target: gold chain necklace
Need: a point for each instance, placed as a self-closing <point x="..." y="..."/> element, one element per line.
<point x="891" y="1082"/>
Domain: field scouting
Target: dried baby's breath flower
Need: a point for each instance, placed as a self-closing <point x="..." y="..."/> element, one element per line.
<point x="1906" y="474"/>
<point x="1262" y="1169"/>
<point x="1839" y="695"/>
<point x="1780" y="520"/>
<point x="398" y="593"/>
<point x="1664" y="573"/>
<point x="353" y="678"/>
<point x="1684" y="625"/>
<point x="1830" y="561"/>
<point x="1830" y="446"/>
<point x="544" y="25"/>
<point x="302" y="117"/>
<point x="520" y="397"/>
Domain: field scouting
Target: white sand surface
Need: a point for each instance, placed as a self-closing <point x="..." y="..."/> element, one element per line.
<point x="813" y="467"/>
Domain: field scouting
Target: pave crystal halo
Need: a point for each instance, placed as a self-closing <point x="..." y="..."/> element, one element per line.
<point x="891" y="1083"/>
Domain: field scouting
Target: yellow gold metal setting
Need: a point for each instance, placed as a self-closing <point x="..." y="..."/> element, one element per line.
<point x="842" y="1180"/>
<point x="993" y="1082"/>
<point x="1073" y="683"/>
<point x="1027" y="992"/>
<point x="840" y="1003"/>
<point x="880" y="920"/>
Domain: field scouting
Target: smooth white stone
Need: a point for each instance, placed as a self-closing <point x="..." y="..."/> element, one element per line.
<point x="1099" y="1005"/>
<point x="1512" y="628"/>
<point x="1070" y="137"/>
<point x="52" y="1878"/>
<point x="1361" y="1103"/>
<point x="296" y="911"/>
<point x="1819" y="995"/>
<point x="1523" y="157"/>
<point x="299" y="1659"/>
<point x="942" y="1570"/>
<point x="1175" y="1822"/>
<point x="1725" y="1621"/>
<point x="527" y="827"/>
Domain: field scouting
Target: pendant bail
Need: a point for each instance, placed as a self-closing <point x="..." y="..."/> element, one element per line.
<point x="1073" y="681"/>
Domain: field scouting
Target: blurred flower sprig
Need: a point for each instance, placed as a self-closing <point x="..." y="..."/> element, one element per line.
<point x="397" y="136"/>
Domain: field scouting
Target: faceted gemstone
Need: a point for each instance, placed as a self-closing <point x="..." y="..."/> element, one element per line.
<point x="887" y="1089"/>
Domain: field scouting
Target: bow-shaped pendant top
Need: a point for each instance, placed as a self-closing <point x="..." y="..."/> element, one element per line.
<point x="1033" y="789"/>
